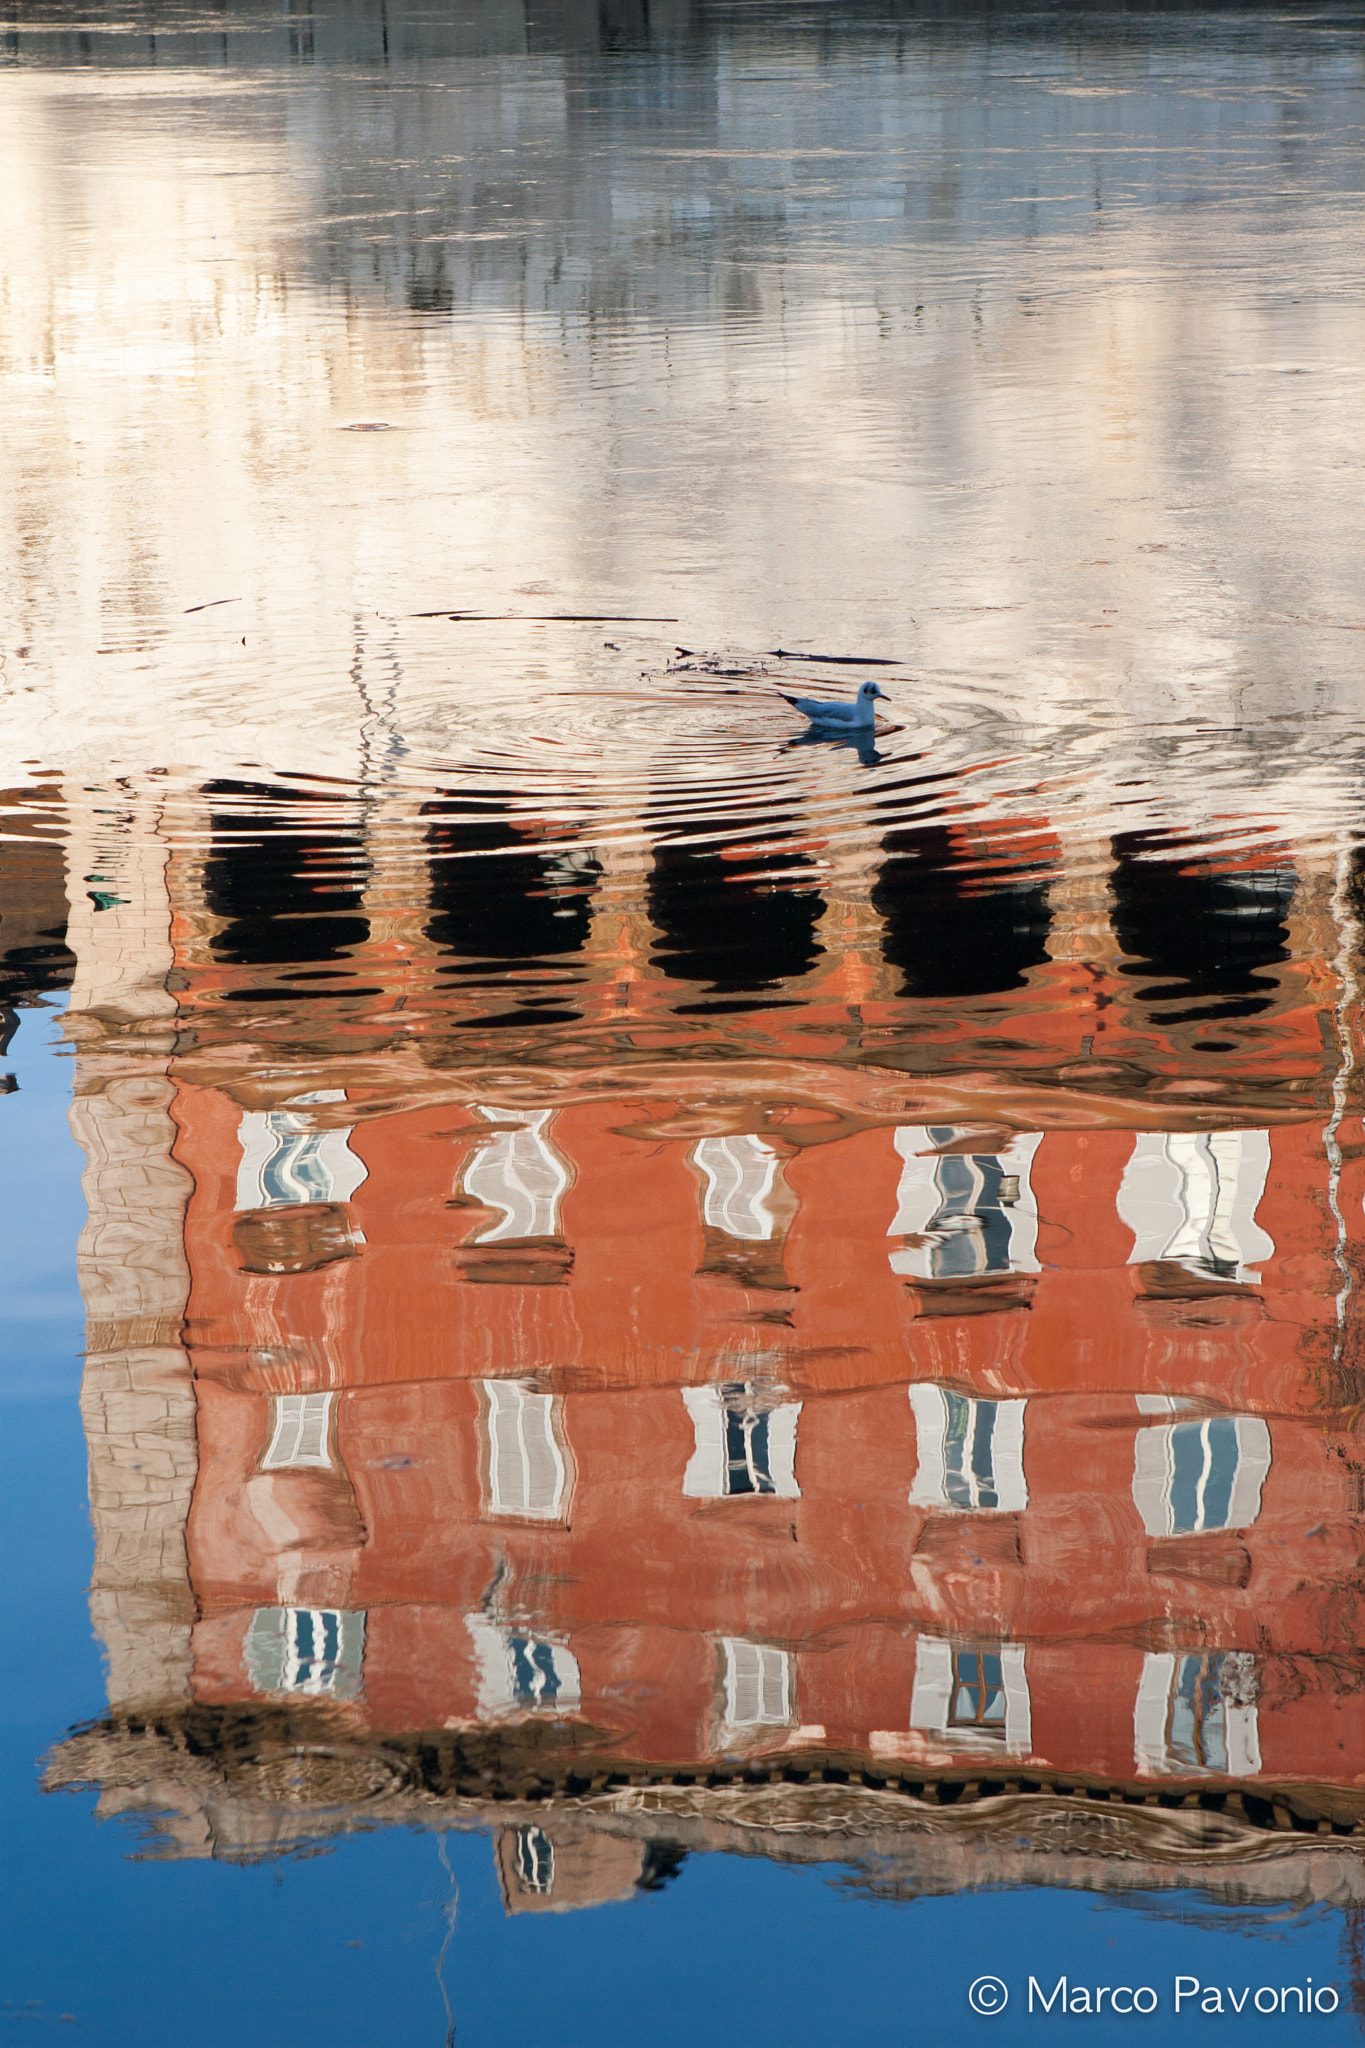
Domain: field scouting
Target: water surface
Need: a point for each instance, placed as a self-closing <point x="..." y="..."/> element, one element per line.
<point x="669" y="1315"/>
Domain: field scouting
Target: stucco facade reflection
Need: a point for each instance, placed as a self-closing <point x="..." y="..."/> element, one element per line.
<point x="611" y="1417"/>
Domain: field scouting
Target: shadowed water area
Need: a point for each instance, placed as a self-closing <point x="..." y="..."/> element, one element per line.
<point x="614" y="1301"/>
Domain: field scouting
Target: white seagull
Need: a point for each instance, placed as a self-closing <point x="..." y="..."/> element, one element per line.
<point x="861" y="713"/>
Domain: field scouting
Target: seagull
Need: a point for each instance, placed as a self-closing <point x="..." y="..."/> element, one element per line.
<point x="861" y="712"/>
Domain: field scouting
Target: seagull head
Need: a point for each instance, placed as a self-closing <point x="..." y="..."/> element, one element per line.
<point x="869" y="691"/>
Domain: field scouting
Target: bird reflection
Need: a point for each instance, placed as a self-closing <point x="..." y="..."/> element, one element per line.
<point x="860" y="742"/>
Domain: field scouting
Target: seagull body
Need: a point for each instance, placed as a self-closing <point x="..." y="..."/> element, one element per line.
<point x="862" y="712"/>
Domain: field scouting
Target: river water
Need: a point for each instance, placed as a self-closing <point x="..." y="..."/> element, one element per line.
<point x="636" y="1331"/>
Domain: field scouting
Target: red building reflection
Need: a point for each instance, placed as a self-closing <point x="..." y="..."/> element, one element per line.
<point x="890" y="1446"/>
<point x="855" y="1363"/>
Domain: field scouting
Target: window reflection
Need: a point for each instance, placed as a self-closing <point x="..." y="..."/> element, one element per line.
<point x="285" y="1158"/>
<point x="951" y="932"/>
<point x="517" y="1173"/>
<point x="318" y="1651"/>
<point x="535" y="1861"/>
<point x="1192" y="1476"/>
<point x="963" y="1215"/>
<point x="1198" y="1712"/>
<point x="727" y="922"/>
<point x="972" y="1696"/>
<point x="970" y="1453"/>
<point x="527" y="1467"/>
<point x="1191" y="1197"/>
<point x="521" y="1671"/>
<point x="978" y="1692"/>
<point x="1209" y="937"/>
<point x="745" y="1442"/>
<point x="300" y="1432"/>
<point x="759" y="1685"/>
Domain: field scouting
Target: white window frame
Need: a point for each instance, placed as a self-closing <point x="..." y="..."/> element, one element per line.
<point x="519" y="1173"/>
<point x="920" y="1197"/>
<point x="286" y="1160"/>
<point x="1155" y="1705"/>
<point x="931" y="1699"/>
<point x="760" y="1685"/>
<point x="300" y="1432"/>
<point x="1191" y="1197"/>
<point x="707" y="1474"/>
<point x="533" y="1860"/>
<point x="1154" y="1471"/>
<point x="933" y="1409"/>
<point x="524" y="1442"/>
<point x="739" y="1174"/>
<point x="496" y="1660"/>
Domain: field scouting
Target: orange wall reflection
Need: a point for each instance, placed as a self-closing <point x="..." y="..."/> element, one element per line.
<point x="724" y="1447"/>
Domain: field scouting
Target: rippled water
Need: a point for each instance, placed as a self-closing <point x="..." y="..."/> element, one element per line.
<point x="657" y="1309"/>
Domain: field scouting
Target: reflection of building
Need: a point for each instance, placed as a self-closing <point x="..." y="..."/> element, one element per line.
<point x="458" y="916"/>
<point x="412" y="1278"/>
<point x="33" y="907"/>
<point x="540" y="1875"/>
<point x="867" y="1573"/>
<point x="621" y="1416"/>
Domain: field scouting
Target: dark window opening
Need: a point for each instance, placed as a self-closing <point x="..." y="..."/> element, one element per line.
<point x="284" y="891"/>
<point x="509" y="901"/>
<point x="1207" y="937"/>
<point x="721" y="923"/>
<point x="952" y="932"/>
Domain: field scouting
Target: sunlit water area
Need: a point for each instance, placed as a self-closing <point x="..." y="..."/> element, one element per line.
<point x="671" y="1375"/>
